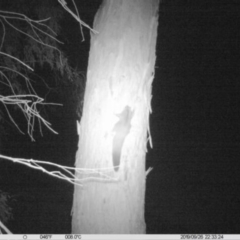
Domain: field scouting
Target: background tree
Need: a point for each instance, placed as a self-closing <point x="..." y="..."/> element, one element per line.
<point x="29" y="43"/>
<point x="115" y="119"/>
<point x="32" y="66"/>
<point x="5" y="210"/>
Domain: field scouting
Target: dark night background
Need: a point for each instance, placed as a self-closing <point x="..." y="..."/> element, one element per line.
<point x="194" y="186"/>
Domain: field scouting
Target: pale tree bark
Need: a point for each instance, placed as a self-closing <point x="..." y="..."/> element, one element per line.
<point x="115" y="119"/>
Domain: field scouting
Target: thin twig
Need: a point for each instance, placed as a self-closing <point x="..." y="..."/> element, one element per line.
<point x="101" y="174"/>
<point x="4" y="228"/>
<point x="16" y="60"/>
<point x="64" y="5"/>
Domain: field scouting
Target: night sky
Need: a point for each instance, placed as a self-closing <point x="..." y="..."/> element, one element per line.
<point x="194" y="186"/>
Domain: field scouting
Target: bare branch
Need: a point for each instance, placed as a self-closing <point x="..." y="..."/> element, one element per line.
<point x="4" y="33"/>
<point x="17" y="60"/>
<point x="77" y="17"/>
<point x="4" y="228"/>
<point x="35" y="39"/>
<point x="28" y="84"/>
<point x="28" y="103"/>
<point x="68" y="175"/>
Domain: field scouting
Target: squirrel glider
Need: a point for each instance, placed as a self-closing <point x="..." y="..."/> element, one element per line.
<point x="121" y="130"/>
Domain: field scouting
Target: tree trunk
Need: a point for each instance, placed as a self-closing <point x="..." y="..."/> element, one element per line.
<point x="115" y="120"/>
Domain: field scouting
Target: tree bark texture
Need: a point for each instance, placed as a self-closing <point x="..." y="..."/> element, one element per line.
<point x="114" y="129"/>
